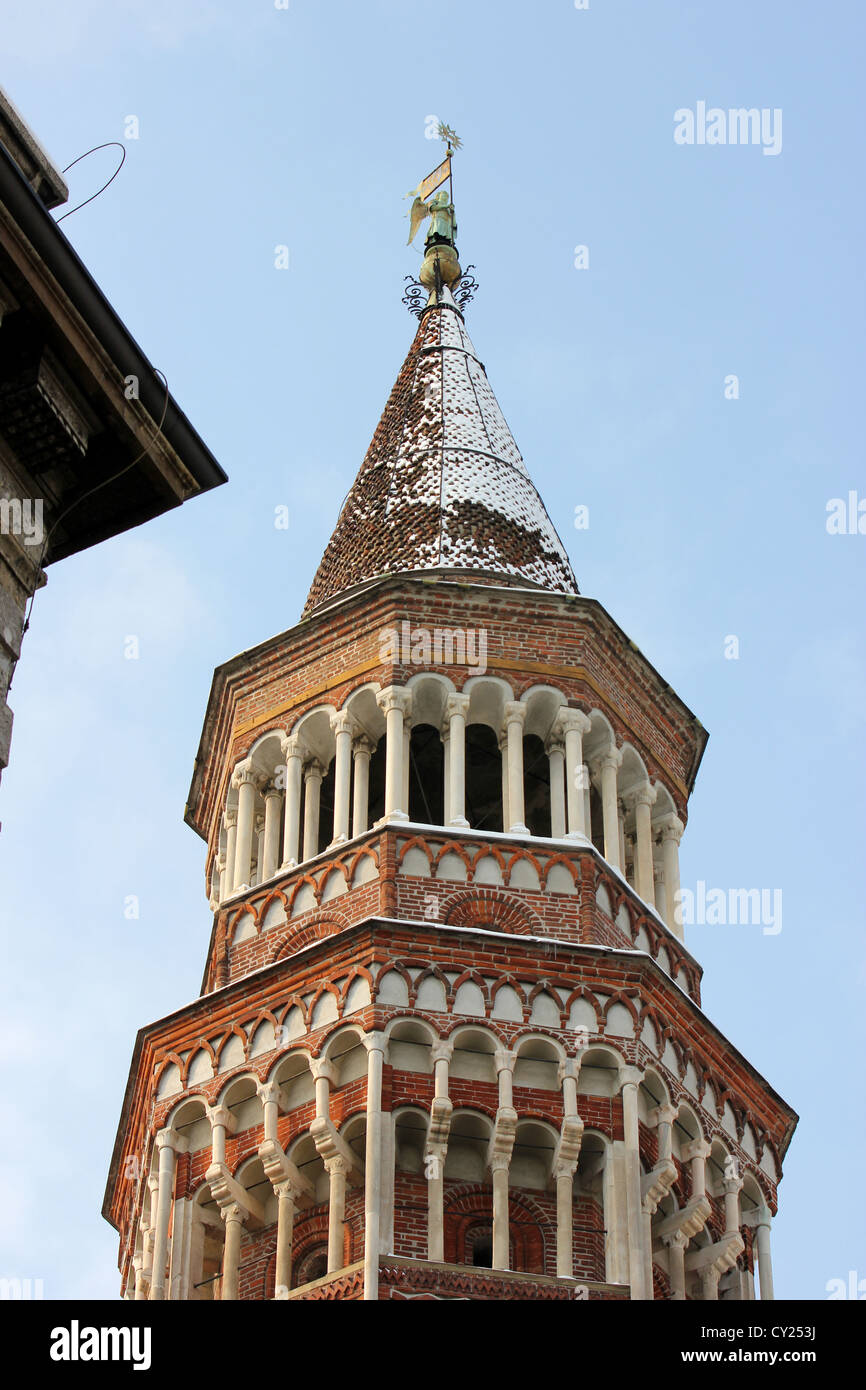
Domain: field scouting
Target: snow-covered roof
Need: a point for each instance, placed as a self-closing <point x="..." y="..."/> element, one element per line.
<point x="443" y="484"/>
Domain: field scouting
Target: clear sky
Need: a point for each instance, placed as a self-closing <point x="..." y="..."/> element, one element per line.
<point x="260" y="127"/>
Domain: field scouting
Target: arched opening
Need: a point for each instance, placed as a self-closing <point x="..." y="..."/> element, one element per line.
<point x="376" y="797"/>
<point x="536" y="786"/>
<point x="483" y="778"/>
<point x="426" y="776"/>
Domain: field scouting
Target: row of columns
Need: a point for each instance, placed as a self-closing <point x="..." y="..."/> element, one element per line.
<point x="642" y="1193"/>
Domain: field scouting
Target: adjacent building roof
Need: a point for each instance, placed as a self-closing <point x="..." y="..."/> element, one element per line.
<point x="443" y="485"/>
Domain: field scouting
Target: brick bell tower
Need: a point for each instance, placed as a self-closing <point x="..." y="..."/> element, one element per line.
<point x="449" y="1042"/>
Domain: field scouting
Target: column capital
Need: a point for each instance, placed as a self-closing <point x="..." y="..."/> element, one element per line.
<point x="342" y="723"/>
<point x="698" y="1148"/>
<point x="170" y="1139"/>
<point x="643" y="795"/>
<point x="671" y="828"/>
<point x="291" y="746"/>
<point x="662" y="1115"/>
<point x="313" y="769"/>
<point x="375" y="1041"/>
<point x="513" y="713"/>
<point x="395" y="697"/>
<point x="270" y="789"/>
<point x="504" y="1060"/>
<point x="630" y="1076"/>
<point x="610" y="758"/>
<point x="232" y="1213"/>
<point x="221" y="1115"/>
<point x="571" y="721"/>
<point x="457" y="703"/>
<point x="732" y="1186"/>
<point x="441" y="1052"/>
<point x="268" y="1091"/>
<point x="321" y="1067"/>
<point x="678" y="1238"/>
<point x="336" y="1163"/>
<point x="230" y="817"/>
<point x="243" y="774"/>
<point x="362" y="745"/>
<point x="569" y="1067"/>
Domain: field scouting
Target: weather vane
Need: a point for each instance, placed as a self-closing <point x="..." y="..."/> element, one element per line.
<point x="430" y="200"/>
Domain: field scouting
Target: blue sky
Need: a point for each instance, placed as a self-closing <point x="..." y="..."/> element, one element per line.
<point x="304" y="127"/>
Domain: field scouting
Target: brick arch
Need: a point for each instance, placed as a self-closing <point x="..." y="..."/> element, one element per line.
<point x="491" y="909"/>
<point x="470" y="1205"/>
<point x="566" y="862"/>
<point x="416" y="842"/>
<point x="520" y="855"/>
<point x="321" y="922"/>
<point x="261" y="907"/>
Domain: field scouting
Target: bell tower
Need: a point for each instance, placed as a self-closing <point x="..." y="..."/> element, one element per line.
<point x="449" y="1042"/>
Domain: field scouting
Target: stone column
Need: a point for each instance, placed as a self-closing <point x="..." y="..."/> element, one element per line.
<point x="440" y="1055"/>
<point x="573" y="724"/>
<point x="313" y="774"/>
<point x="697" y="1153"/>
<point x="259" y="842"/>
<point x="587" y="803"/>
<point x="336" y="1169"/>
<point x="765" y="1263"/>
<point x="221" y="1122"/>
<point x="659" y="899"/>
<point x="644" y="798"/>
<point x="148" y="1227"/>
<point x="244" y="779"/>
<point x="663" y="1117"/>
<point x="676" y="1244"/>
<point x="710" y="1284"/>
<point x="342" y="727"/>
<point x="445" y="735"/>
<point x="222" y="880"/>
<point x="608" y="765"/>
<point x="230" y="818"/>
<point x="631" y="1078"/>
<point x="233" y="1216"/>
<point x="672" y="831"/>
<point x="515" y="718"/>
<point x="362" y="751"/>
<point x="732" y="1205"/>
<point x="564" y="1220"/>
<point x="294" y="759"/>
<point x="555" y="750"/>
<point x="375" y="1045"/>
<point x="499" y="1164"/>
<point x="140" y="1292"/>
<point x="269" y="1095"/>
<point x="169" y="1145"/>
<point x="502" y="743"/>
<point x="456" y="708"/>
<point x="285" y="1232"/>
<point x="407" y="762"/>
<point x="396" y="703"/>
<point x="271" y="855"/>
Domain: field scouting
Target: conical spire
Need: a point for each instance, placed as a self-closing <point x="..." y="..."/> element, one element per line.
<point x="443" y="485"/>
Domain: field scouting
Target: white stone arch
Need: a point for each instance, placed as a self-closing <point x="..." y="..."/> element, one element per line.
<point x="543" y="704"/>
<point x="535" y="1145"/>
<point x="411" y="1124"/>
<point x="473" y="1055"/>
<point x="652" y="1092"/>
<point x="303" y="1153"/>
<point x="488" y="696"/>
<point x="537" y="1061"/>
<point x="292" y="1073"/>
<point x="240" y="1096"/>
<point x="346" y="1051"/>
<point x="719" y="1163"/>
<point x="314" y="733"/>
<point x="685" y="1129"/>
<point x="365" y="711"/>
<point x="189" y="1119"/>
<point x="430" y="692"/>
<point x="600" y="1069"/>
<point x="468" y="1145"/>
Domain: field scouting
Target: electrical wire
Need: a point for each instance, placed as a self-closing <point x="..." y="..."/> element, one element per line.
<point x="106" y="146"/>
